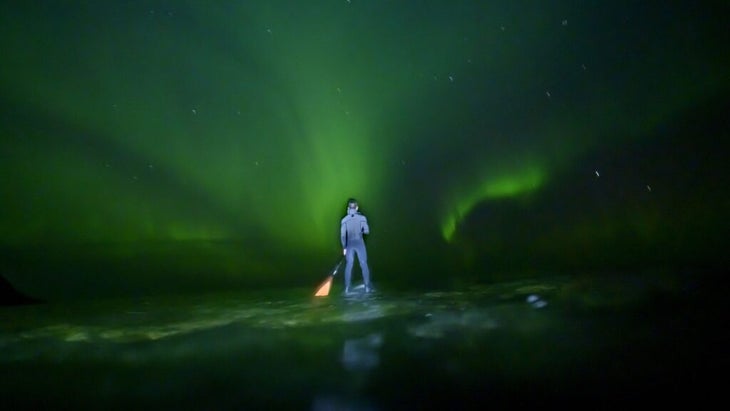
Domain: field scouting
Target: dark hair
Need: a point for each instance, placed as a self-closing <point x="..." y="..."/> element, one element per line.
<point x="351" y="203"/>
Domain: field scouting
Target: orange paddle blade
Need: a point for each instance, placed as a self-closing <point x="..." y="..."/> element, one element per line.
<point x="324" y="288"/>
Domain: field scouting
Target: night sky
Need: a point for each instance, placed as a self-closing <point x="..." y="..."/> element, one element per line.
<point x="162" y="145"/>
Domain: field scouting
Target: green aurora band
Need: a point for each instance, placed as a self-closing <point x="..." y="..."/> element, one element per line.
<point x="516" y="184"/>
<point x="269" y="135"/>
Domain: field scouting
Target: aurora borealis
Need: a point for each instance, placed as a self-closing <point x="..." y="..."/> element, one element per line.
<point x="222" y="139"/>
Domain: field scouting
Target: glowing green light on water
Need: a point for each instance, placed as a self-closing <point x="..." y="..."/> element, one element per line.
<point x="509" y="186"/>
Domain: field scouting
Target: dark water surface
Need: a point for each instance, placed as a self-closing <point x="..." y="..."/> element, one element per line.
<point x="597" y="342"/>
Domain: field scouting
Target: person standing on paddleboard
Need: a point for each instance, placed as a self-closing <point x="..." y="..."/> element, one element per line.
<point x="353" y="228"/>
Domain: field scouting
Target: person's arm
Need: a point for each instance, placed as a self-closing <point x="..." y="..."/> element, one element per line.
<point x="343" y="237"/>
<point x="364" y="228"/>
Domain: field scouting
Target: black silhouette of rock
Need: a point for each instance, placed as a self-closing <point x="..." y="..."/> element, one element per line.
<point x="10" y="296"/>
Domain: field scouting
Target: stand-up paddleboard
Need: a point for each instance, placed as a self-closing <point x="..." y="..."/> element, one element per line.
<point x="358" y="292"/>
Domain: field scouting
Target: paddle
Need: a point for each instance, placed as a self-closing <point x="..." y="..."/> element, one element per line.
<point x="324" y="289"/>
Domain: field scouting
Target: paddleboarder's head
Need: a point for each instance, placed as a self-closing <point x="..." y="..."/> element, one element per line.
<point x="352" y="204"/>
